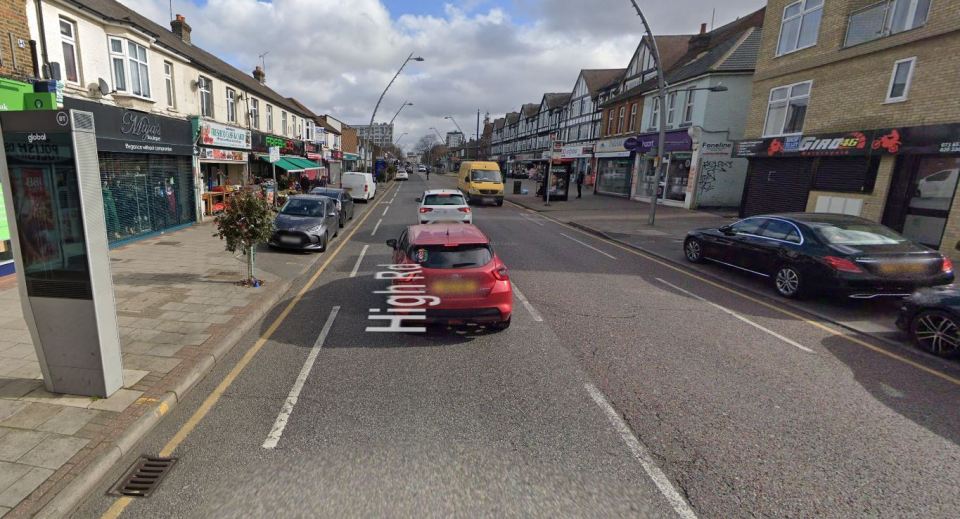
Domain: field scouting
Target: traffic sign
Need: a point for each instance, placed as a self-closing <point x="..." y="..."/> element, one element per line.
<point x="274" y="154"/>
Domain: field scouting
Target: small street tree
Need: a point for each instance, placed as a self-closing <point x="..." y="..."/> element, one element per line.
<point x="246" y="222"/>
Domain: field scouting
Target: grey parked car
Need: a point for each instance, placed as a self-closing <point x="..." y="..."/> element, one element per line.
<point x="306" y="222"/>
<point x="343" y="198"/>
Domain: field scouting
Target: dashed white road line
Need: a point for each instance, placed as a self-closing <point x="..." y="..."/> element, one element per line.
<point x="375" y="227"/>
<point x="385" y="209"/>
<point x="679" y="504"/>
<point x="281" y="423"/>
<point x="356" y="267"/>
<point x="529" y="218"/>
<point x="726" y="310"/>
<point x="523" y="299"/>
<point x="587" y="245"/>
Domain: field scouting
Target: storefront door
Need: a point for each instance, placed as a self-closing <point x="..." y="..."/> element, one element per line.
<point x="921" y="196"/>
<point x="777" y="186"/>
<point x="678" y="174"/>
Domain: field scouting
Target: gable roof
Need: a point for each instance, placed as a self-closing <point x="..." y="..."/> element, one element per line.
<point x="597" y="79"/>
<point x="513" y="118"/>
<point x="556" y="100"/>
<point x="530" y="109"/>
<point x="498" y="123"/>
<point x="671" y="46"/>
<point x="114" y="11"/>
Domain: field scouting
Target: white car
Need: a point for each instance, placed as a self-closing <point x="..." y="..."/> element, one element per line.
<point x="421" y="168"/>
<point x="444" y="205"/>
<point x="402" y="175"/>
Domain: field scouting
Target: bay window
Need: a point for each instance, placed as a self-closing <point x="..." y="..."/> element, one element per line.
<point x="131" y="69"/>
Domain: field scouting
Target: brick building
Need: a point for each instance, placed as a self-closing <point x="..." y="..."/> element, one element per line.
<point x="855" y="109"/>
<point x="16" y="58"/>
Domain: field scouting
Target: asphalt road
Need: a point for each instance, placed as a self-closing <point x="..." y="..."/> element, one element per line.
<point x="730" y="405"/>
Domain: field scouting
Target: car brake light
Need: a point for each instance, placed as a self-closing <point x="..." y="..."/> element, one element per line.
<point x="947" y="265"/>
<point x="365" y="187"/>
<point x="463" y="209"/>
<point x="425" y="210"/>
<point x="501" y="273"/>
<point x="841" y="264"/>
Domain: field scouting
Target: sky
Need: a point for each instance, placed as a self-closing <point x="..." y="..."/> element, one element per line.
<point x="337" y="56"/>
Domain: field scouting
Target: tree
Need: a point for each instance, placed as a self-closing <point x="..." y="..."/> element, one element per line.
<point x="246" y="222"/>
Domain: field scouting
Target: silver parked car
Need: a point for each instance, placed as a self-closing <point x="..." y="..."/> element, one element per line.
<point x="306" y="222"/>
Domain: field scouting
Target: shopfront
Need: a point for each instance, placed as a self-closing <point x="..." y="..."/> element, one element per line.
<point x="581" y="160"/>
<point x="146" y="170"/>
<point x="222" y="162"/>
<point x="678" y="149"/>
<point x="351" y="162"/>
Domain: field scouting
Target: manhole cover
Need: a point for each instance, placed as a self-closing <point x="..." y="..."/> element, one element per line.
<point x="144" y="477"/>
<point x="173" y="243"/>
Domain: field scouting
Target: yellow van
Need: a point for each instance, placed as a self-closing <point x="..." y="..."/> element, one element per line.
<point x="481" y="182"/>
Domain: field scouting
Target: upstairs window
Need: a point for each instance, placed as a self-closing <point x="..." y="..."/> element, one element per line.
<point x="885" y="18"/>
<point x="623" y="112"/>
<point x="269" y="118"/>
<point x="68" y="42"/>
<point x="255" y="113"/>
<point x="283" y="122"/>
<point x="800" y="25"/>
<point x="671" y="108"/>
<point x="610" y="122"/>
<point x="655" y="113"/>
<point x="633" y="117"/>
<point x="131" y="71"/>
<point x="900" y="80"/>
<point x="168" y="83"/>
<point x="688" y="106"/>
<point x="231" y="105"/>
<point x="787" y="109"/>
<point x="205" y="85"/>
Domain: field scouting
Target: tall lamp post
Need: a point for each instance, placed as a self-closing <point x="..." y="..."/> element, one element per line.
<point x="436" y="131"/>
<point x="377" y="107"/>
<point x="400" y="138"/>
<point x="404" y="105"/>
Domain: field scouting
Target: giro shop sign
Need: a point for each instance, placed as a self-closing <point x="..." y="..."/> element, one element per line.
<point x="262" y="143"/>
<point x="131" y="131"/>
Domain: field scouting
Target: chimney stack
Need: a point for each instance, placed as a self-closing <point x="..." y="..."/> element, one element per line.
<point x="703" y="28"/>
<point x="180" y="28"/>
<point x="260" y="75"/>
<point x="699" y="42"/>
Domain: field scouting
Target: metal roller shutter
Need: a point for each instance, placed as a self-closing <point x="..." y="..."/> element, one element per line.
<point x="845" y="175"/>
<point x="777" y="186"/>
<point x="145" y="194"/>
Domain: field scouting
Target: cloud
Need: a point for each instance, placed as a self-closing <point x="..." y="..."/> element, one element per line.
<point x="336" y="56"/>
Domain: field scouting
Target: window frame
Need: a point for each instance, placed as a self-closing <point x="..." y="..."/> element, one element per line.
<point x="131" y="61"/>
<point x="269" y="114"/>
<point x="621" y="114"/>
<point x="804" y="11"/>
<point x="789" y="88"/>
<point x="168" y="84"/>
<point x="230" y="94"/>
<point x="254" y="114"/>
<point x="73" y="42"/>
<point x="119" y="86"/>
<point x="688" y="105"/>
<point x="208" y="110"/>
<point x="283" y="122"/>
<point x="671" y="108"/>
<point x="893" y="77"/>
<point x="655" y="113"/>
<point x="632" y="124"/>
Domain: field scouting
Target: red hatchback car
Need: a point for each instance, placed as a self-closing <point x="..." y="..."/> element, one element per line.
<point x="458" y="266"/>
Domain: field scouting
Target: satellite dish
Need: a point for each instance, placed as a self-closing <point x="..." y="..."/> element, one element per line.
<point x="104" y="87"/>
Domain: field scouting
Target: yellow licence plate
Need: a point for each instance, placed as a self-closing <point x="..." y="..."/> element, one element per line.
<point x="454" y="287"/>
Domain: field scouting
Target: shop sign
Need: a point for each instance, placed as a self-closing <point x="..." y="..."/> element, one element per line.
<point x="716" y="149"/>
<point x="263" y="141"/>
<point x="926" y="140"/>
<point x="337" y="155"/>
<point x="675" y="141"/>
<point x="213" y="154"/>
<point x="223" y="136"/>
<point x="835" y="144"/>
<point x="131" y="131"/>
<point x="314" y="156"/>
<point x="310" y="147"/>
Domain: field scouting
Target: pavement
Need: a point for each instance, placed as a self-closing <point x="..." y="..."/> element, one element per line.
<point x="627" y="386"/>
<point x="626" y="221"/>
<point x="179" y="312"/>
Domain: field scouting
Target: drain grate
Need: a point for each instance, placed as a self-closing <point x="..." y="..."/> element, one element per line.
<point x="144" y="477"/>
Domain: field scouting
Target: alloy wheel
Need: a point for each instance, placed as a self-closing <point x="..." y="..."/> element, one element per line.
<point x="788" y="282"/>
<point x="937" y="332"/>
<point x="693" y="251"/>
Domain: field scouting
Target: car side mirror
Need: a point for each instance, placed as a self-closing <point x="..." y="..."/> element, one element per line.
<point x="727" y="229"/>
<point x="392" y="244"/>
<point x="332" y="213"/>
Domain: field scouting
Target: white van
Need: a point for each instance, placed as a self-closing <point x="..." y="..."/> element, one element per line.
<point x="360" y="185"/>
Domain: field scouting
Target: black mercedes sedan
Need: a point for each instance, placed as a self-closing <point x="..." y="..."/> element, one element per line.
<point x="343" y="198"/>
<point x="818" y="253"/>
<point x="306" y="222"/>
<point x="932" y="318"/>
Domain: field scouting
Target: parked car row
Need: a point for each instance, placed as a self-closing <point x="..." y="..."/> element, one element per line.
<point x="309" y="222"/>
<point x="807" y="254"/>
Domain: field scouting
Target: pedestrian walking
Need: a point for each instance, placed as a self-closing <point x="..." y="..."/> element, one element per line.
<point x="579" y="184"/>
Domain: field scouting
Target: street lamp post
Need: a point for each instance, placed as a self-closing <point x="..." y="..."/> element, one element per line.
<point x="377" y="107"/>
<point x="404" y="105"/>
<point x="400" y="138"/>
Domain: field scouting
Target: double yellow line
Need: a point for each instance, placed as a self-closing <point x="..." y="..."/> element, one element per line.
<point x="832" y="331"/>
<point x="121" y="503"/>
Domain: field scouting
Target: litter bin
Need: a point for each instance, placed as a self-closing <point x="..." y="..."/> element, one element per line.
<point x="517" y="187"/>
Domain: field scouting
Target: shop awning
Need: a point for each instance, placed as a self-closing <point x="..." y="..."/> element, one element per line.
<point x="283" y="164"/>
<point x="305" y="164"/>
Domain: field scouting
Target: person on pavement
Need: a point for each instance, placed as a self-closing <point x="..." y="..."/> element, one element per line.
<point x="579" y="184"/>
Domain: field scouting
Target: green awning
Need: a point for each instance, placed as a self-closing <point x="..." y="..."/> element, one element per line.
<point x="284" y="163"/>
<point x="304" y="164"/>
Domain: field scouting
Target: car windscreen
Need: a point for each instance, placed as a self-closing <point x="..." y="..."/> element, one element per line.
<point x="457" y="257"/>
<point x="856" y="234"/>
<point x="485" y="175"/>
<point x="444" y="200"/>
<point x="301" y="207"/>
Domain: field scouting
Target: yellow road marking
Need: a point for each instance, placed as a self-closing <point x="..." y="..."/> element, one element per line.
<point x="120" y="504"/>
<point x="828" y="329"/>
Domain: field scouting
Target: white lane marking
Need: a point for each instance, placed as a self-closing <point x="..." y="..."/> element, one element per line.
<point x="375" y="227"/>
<point x="356" y="267"/>
<point x="660" y="479"/>
<point x="587" y="245"/>
<point x="726" y="310"/>
<point x="278" y="426"/>
<point x="531" y="219"/>
<point x="385" y="209"/>
<point x="523" y="299"/>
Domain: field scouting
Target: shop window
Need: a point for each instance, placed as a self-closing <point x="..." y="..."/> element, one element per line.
<point x="787" y="109"/>
<point x="231" y="105"/>
<point x="255" y="113"/>
<point x="205" y="85"/>
<point x="800" y="26"/>
<point x="68" y="42"/>
<point x="900" y="80"/>
<point x="269" y="118"/>
<point x="168" y="80"/>
<point x="131" y="70"/>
